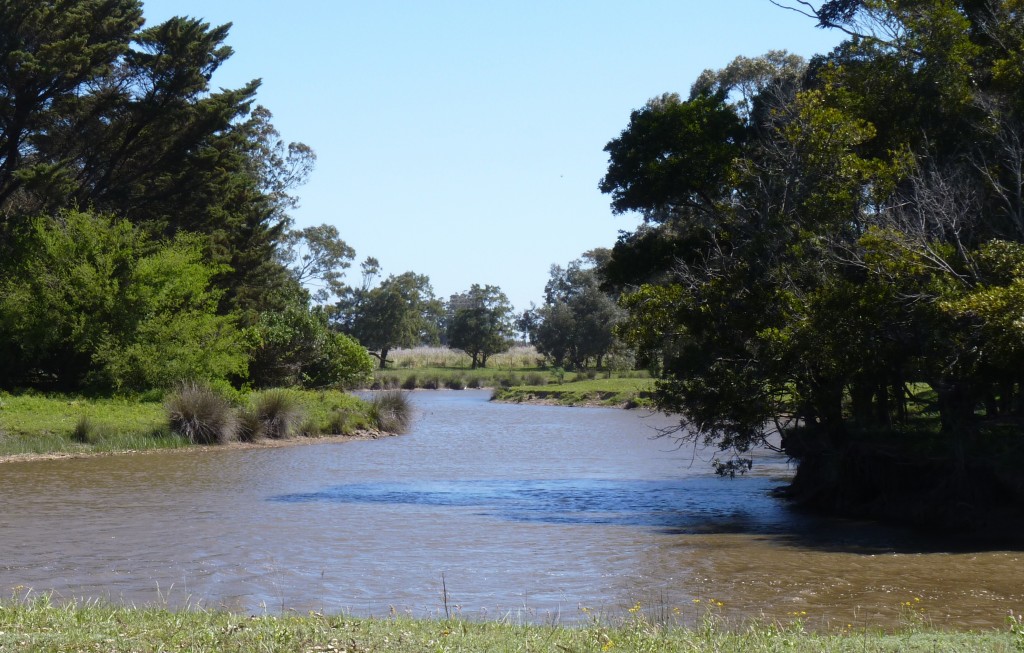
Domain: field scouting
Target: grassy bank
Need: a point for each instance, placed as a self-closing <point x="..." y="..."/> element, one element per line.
<point x="631" y="392"/>
<point x="64" y="424"/>
<point x="42" y="626"/>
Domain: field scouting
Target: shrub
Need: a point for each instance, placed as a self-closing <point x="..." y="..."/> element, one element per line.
<point x="201" y="415"/>
<point x="249" y="427"/>
<point x="409" y="383"/>
<point x="536" y="378"/>
<point x="310" y="428"/>
<point x="474" y="382"/>
<point x="455" y="383"/>
<point x="278" y="413"/>
<point x="431" y="383"/>
<point x="338" y="424"/>
<point x="391" y="411"/>
<point x="84" y="430"/>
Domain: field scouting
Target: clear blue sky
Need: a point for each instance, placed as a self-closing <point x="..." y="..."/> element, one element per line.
<point x="464" y="140"/>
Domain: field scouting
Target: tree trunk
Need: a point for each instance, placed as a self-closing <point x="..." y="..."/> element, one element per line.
<point x="384" y="357"/>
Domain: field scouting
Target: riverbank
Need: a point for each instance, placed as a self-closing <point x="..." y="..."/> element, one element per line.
<point x="34" y="427"/>
<point x="40" y="625"/>
<point x="619" y="392"/>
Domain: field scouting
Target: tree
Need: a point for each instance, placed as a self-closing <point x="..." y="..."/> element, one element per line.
<point x="807" y="264"/>
<point x="577" y="321"/>
<point x="400" y="312"/>
<point x="50" y="51"/>
<point x="297" y="348"/>
<point x="317" y="256"/>
<point x="479" y="322"/>
<point x="97" y="111"/>
<point x="90" y="300"/>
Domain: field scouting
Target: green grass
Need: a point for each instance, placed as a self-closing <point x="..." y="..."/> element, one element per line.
<point x="600" y="391"/>
<point x="40" y="625"/>
<point x="65" y="424"/>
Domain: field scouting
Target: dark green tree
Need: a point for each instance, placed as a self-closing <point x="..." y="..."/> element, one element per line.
<point x="399" y="312"/>
<point x="577" y="321"/>
<point x="479" y="322"/>
<point x="297" y="348"/>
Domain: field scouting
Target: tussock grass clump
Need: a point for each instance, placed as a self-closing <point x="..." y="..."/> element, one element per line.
<point x="277" y="411"/>
<point x="410" y="382"/>
<point x="455" y="383"/>
<point x="431" y="383"/>
<point x="391" y="411"/>
<point x="535" y="378"/>
<point x="84" y="431"/>
<point x="386" y="382"/>
<point x="201" y="415"/>
<point x="249" y="429"/>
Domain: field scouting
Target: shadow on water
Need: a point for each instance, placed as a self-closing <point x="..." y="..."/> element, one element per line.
<point x="705" y="506"/>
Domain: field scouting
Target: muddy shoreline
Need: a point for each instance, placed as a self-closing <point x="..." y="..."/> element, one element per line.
<point x="230" y="446"/>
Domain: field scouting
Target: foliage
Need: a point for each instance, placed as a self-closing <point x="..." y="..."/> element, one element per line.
<point x="201" y="415"/>
<point x="479" y="323"/>
<point x="577" y="321"/>
<point x="93" y="300"/>
<point x="317" y="256"/>
<point x="400" y="312"/>
<point x="816" y="242"/>
<point x="297" y="348"/>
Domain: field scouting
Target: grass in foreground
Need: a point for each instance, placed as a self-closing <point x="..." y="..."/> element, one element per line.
<point x="42" y="626"/>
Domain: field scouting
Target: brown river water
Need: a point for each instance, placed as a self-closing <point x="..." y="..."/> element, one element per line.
<point x="535" y="513"/>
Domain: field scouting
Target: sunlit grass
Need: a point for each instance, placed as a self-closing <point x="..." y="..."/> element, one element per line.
<point x="40" y="625"/>
<point x="612" y="392"/>
<point x="34" y="424"/>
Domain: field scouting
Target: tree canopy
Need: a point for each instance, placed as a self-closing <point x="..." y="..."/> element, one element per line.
<point x="144" y="228"/>
<point x="826" y="242"/>
<point x="399" y="312"/>
<point x="479" y="322"/>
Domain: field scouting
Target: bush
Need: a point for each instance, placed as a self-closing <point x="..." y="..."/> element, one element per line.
<point x="249" y="429"/>
<point x="277" y="412"/>
<point x="84" y="430"/>
<point x="391" y="411"/>
<point x="338" y="424"/>
<point x="536" y="378"/>
<point x="201" y="415"/>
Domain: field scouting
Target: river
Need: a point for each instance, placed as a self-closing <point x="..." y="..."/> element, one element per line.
<point x="534" y="513"/>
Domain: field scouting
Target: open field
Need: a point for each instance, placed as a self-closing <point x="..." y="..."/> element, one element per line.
<point x="39" y="625"/>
